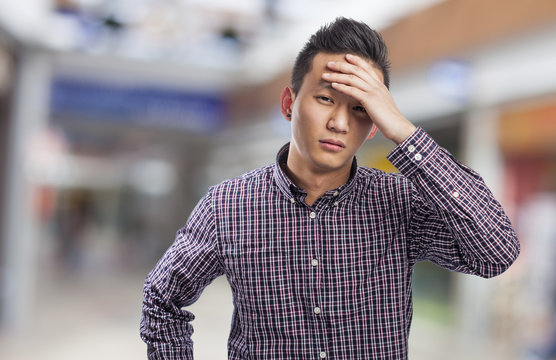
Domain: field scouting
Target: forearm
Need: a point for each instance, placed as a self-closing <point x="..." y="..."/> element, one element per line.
<point x="178" y="280"/>
<point x="482" y="233"/>
<point x="165" y="327"/>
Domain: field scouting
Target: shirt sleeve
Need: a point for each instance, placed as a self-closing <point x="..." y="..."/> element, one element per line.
<point x="455" y="220"/>
<point x="178" y="279"/>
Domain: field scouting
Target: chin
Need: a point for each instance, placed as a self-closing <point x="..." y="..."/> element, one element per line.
<point x="329" y="166"/>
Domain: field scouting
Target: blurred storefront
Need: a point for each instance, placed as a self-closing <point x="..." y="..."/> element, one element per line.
<point x="527" y="139"/>
<point x="6" y="86"/>
<point x="528" y="143"/>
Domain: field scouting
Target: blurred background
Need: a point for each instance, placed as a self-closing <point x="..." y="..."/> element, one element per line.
<point x="117" y="115"/>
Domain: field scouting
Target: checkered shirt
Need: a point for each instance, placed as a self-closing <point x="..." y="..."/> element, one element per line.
<point x="331" y="280"/>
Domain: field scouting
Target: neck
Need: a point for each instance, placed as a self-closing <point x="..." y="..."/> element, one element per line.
<point x="316" y="183"/>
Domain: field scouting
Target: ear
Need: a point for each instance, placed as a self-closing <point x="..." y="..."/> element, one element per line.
<point x="374" y="130"/>
<point x="286" y="102"/>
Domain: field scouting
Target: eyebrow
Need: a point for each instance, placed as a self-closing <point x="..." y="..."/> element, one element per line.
<point x="326" y="85"/>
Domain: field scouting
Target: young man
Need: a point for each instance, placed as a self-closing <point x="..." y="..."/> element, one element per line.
<point x="319" y="251"/>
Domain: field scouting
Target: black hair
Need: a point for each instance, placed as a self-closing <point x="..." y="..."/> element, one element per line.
<point x="342" y="36"/>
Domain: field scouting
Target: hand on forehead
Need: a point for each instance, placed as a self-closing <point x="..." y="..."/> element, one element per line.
<point x="349" y="64"/>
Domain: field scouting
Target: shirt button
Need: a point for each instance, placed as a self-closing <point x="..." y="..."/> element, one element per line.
<point x="314" y="262"/>
<point x="316" y="310"/>
<point x="313" y="215"/>
<point x="418" y="157"/>
<point x="292" y="200"/>
<point x="322" y="355"/>
<point x="336" y="193"/>
<point x="455" y="194"/>
<point x="411" y="148"/>
<point x="336" y="203"/>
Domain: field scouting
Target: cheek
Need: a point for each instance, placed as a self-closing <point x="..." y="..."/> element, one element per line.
<point x="364" y="127"/>
<point x="300" y="129"/>
<point x="307" y="118"/>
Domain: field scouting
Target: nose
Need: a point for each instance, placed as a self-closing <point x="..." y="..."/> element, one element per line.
<point x="339" y="120"/>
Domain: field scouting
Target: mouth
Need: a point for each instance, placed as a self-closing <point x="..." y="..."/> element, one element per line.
<point x="332" y="144"/>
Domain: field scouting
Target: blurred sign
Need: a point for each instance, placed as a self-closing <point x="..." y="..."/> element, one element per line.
<point x="529" y="130"/>
<point x="451" y="79"/>
<point x="79" y="99"/>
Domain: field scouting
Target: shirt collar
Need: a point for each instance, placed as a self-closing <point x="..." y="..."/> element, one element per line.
<point x="290" y="190"/>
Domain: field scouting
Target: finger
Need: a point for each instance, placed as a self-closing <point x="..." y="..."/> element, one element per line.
<point x="358" y="60"/>
<point x="347" y="79"/>
<point x="365" y="64"/>
<point x="352" y="91"/>
<point x="367" y="73"/>
<point x="346" y="68"/>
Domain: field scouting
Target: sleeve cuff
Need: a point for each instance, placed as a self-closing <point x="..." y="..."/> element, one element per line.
<point x="413" y="152"/>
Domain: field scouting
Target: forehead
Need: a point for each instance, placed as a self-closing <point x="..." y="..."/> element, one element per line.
<point x="320" y="66"/>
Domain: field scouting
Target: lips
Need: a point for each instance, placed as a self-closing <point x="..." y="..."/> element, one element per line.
<point x="332" y="144"/>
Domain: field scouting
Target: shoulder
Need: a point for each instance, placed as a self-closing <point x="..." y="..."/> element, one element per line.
<point x="372" y="176"/>
<point x="250" y="182"/>
<point x="376" y="184"/>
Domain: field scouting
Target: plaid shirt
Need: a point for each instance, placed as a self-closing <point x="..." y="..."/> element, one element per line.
<point x="332" y="280"/>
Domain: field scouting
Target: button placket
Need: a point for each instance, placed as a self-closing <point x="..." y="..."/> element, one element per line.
<point x="315" y="274"/>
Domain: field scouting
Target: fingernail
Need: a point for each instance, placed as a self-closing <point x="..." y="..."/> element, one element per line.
<point x="349" y="56"/>
<point x="326" y="75"/>
<point x="331" y="63"/>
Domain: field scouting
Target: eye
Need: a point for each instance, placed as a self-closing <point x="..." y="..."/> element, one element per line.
<point x="360" y="108"/>
<point x="324" y="98"/>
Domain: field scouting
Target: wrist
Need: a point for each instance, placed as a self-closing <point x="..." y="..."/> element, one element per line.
<point x="402" y="132"/>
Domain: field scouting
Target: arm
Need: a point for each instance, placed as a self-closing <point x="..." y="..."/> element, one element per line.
<point x="178" y="279"/>
<point x="455" y="220"/>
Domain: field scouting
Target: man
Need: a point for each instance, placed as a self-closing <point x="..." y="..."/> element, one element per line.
<point x="319" y="251"/>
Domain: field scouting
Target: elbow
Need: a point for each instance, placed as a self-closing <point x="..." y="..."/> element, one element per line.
<point x="489" y="271"/>
<point x="501" y="259"/>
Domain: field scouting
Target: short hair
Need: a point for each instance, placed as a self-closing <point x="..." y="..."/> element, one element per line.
<point x="342" y="36"/>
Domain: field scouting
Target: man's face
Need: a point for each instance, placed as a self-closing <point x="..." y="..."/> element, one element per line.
<point x="328" y="127"/>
